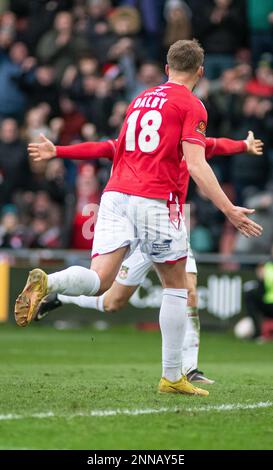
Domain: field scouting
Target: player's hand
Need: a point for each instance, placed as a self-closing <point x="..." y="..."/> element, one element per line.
<point x="254" y="146"/>
<point x="42" y="151"/>
<point x="238" y="216"/>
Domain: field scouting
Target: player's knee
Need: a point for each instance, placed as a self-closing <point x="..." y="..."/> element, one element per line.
<point x="114" y="304"/>
<point x="192" y="297"/>
<point x="192" y="290"/>
<point x="105" y="285"/>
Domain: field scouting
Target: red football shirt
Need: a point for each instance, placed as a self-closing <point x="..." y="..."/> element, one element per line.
<point x="107" y="149"/>
<point x="149" y="151"/>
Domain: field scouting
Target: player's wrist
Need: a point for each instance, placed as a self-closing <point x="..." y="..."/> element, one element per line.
<point x="228" y="209"/>
<point x="247" y="145"/>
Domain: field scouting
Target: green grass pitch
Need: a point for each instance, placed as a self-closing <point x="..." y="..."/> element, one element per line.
<point x="52" y="381"/>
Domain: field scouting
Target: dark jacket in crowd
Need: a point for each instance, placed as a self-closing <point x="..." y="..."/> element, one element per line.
<point x="14" y="169"/>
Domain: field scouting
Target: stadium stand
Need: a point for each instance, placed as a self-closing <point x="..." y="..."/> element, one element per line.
<point x="70" y="77"/>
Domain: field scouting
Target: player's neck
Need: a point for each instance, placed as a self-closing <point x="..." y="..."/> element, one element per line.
<point x="183" y="80"/>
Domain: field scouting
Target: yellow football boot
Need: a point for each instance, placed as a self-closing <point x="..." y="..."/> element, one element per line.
<point x="182" y="386"/>
<point x="28" y="301"/>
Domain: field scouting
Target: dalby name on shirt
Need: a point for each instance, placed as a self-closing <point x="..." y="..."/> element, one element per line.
<point x="150" y="102"/>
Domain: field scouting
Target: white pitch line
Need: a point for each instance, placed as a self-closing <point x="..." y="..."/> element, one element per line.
<point x="138" y="412"/>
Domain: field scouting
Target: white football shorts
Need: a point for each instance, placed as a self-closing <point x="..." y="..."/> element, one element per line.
<point x="135" y="268"/>
<point x="127" y="220"/>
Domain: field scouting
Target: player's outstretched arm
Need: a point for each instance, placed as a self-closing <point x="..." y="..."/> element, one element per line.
<point x="224" y="146"/>
<point x="204" y="177"/>
<point x="45" y="150"/>
<point x="254" y="146"/>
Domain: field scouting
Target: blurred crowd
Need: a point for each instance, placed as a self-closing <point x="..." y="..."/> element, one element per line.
<point x="68" y="69"/>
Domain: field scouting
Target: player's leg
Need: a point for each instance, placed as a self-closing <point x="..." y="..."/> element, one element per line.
<point x="191" y="343"/>
<point x="131" y="274"/>
<point x="163" y="238"/>
<point x="192" y="336"/>
<point x="173" y="325"/>
<point x="113" y="235"/>
<point x="111" y="301"/>
<point x="173" y="318"/>
<point x="74" y="281"/>
<point x="116" y="297"/>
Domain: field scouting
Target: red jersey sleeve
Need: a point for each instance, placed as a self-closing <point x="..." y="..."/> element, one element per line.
<point x="195" y="124"/>
<point x="223" y="146"/>
<point x="87" y="150"/>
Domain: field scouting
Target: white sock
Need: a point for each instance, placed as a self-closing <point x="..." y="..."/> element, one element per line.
<point x="173" y="321"/>
<point x="100" y="302"/>
<point x="83" y="301"/>
<point x="75" y="280"/>
<point x="191" y="341"/>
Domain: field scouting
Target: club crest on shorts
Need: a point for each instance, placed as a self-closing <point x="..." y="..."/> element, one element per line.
<point x="123" y="272"/>
<point x="201" y="128"/>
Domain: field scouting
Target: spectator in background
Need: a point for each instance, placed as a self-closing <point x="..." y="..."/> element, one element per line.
<point x="260" y="19"/>
<point x="117" y="117"/>
<point x="74" y="74"/>
<point x="44" y="234"/>
<point x="220" y="26"/>
<point x="55" y="183"/>
<point x="224" y="97"/>
<point x="85" y="87"/>
<point x="30" y="12"/>
<point x="262" y="202"/>
<point x="178" y="22"/>
<point x="72" y="121"/>
<point x="44" y="87"/>
<point x="14" y="167"/>
<point x="36" y="122"/>
<point x="128" y="49"/>
<point x="105" y="52"/>
<point x="152" y="24"/>
<point x="55" y="126"/>
<point x="97" y="29"/>
<point x="214" y="101"/>
<point x="89" y="132"/>
<point x="7" y="28"/>
<point x="103" y="104"/>
<point x="149" y="75"/>
<point x="61" y="46"/>
<point x="4" y="6"/>
<point x="15" y="73"/>
<point x="258" y="297"/>
<point x="104" y="32"/>
<point x="125" y="22"/>
<point x="97" y="102"/>
<point x="262" y="83"/>
<point x="123" y="57"/>
<point x="61" y="192"/>
<point x="12" y="233"/>
<point x="87" y="197"/>
<point x="250" y="172"/>
<point x="45" y="227"/>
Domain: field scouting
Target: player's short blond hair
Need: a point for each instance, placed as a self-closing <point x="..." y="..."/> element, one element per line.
<point x="185" y="56"/>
